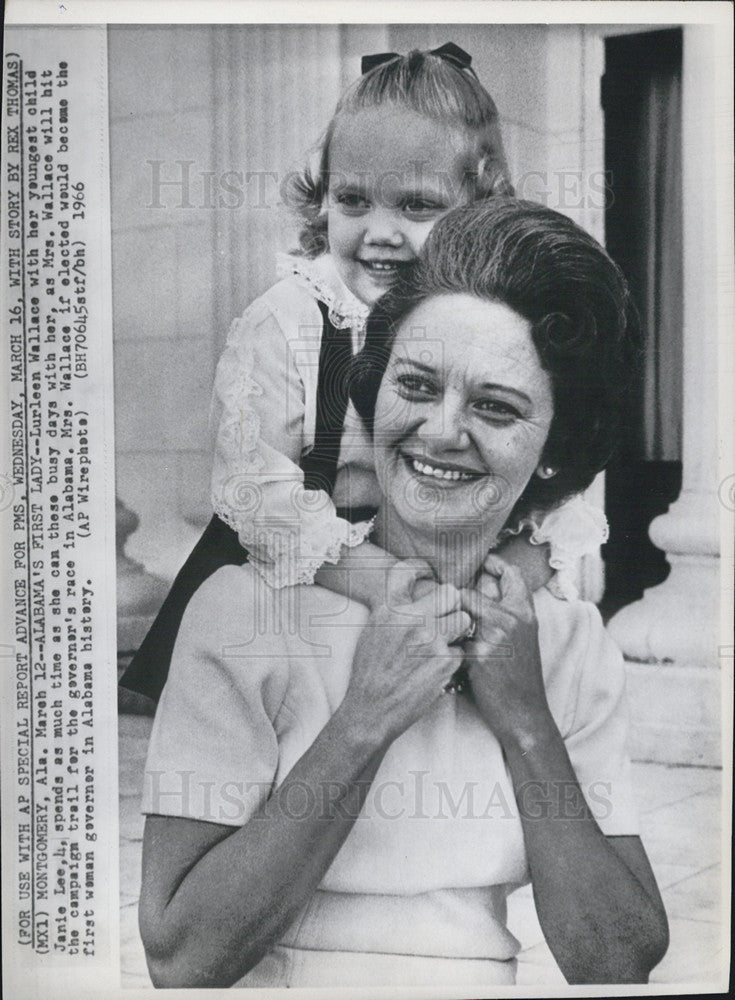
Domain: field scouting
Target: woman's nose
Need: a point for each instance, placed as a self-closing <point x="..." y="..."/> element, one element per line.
<point x="444" y="427"/>
<point x="383" y="228"/>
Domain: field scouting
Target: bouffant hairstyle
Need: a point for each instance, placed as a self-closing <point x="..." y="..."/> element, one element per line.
<point x="555" y="275"/>
<point x="429" y="85"/>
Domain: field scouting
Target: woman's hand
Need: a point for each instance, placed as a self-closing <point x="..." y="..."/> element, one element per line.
<point x="404" y="655"/>
<point x="503" y="658"/>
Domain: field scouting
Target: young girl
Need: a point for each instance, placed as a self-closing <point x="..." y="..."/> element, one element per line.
<point x="293" y="483"/>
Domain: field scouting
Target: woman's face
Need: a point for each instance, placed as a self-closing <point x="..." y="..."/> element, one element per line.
<point x="462" y="414"/>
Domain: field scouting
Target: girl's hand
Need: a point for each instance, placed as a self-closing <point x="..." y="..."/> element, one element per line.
<point x="503" y="658"/>
<point x="425" y="581"/>
<point x="422" y="582"/>
<point x="531" y="560"/>
<point x="384" y="588"/>
<point x="487" y="584"/>
<point x="404" y="656"/>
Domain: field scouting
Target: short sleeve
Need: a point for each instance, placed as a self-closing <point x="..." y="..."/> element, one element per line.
<point x="574" y="529"/>
<point x="264" y="401"/>
<point x="597" y="738"/>
<point x="213" y="752"/>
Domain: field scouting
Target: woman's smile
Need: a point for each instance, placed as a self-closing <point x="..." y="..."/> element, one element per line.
<point x="462" y="415"/>
<point x="442" y="471"/>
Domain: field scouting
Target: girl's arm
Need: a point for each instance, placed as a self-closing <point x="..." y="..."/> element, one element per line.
<point x="562" y="535"/>
<point x="361" y="571"/>
<point x="215" y="898"/>
<point x="360" y="574"/>
<point x="532" y="561"/>
<point x="261" y="400"/>
<point x="596" y="897"/>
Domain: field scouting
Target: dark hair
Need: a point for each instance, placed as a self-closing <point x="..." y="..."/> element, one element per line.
<point x="554" y="274"/>
<point x="431" y="86"/>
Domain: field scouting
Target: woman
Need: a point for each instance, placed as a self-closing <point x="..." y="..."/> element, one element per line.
<point x="320" y="812"/>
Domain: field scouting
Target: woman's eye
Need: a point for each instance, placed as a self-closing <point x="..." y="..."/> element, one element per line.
<point x="415" y="385"/>
<point x="498" y="410"/>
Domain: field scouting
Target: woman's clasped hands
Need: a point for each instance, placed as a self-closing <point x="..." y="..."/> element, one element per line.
<point x="407" y="651"/>
<point x="423" y="632"/>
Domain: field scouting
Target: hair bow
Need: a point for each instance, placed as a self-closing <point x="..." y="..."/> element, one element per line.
<point x="450" y="52"/>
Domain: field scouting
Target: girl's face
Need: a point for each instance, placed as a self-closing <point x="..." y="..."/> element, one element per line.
<point x="392" y="174"/>
<point x="462" y="415"/>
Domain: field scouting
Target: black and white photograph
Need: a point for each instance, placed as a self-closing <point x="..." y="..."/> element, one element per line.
<point x="369" y="492"/>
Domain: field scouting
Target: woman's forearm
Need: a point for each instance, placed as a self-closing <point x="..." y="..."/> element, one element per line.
<point x="238" y="898"/>
<point x="600" y="922"/>
<point x="214" y="900"/>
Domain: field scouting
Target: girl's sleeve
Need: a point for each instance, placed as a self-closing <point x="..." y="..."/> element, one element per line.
<point x="573" y="529"/>
<point x="266" y="402"/>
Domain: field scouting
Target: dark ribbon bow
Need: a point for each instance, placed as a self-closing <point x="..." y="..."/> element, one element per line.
<point x="450" y="52"/>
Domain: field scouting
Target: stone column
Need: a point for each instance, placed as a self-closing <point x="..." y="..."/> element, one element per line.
<point x="671" y="636"/>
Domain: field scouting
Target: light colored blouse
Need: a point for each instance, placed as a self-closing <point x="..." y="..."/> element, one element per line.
<point x="256" y="674"/>
<point x="265" y="407"/>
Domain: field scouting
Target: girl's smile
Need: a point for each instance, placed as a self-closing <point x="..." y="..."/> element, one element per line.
<point x="392" y="174"/>
<point x="381" y="271"/>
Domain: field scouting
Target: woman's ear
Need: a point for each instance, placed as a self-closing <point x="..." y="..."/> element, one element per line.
<point x="546" y="471"/>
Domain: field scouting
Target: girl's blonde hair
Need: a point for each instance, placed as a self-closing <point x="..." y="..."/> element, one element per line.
<point x="430" y="85"/>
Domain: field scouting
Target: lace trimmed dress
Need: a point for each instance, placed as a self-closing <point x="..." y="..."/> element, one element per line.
<point x="265" y="408"/>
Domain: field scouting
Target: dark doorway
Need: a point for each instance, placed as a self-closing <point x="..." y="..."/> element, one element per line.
<point x="641" y="94"/>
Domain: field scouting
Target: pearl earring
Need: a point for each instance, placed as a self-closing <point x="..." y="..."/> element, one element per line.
<point x="546" y="472"/>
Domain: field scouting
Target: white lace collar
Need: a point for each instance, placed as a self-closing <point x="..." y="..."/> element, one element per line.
<point x="320" y="276"/>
